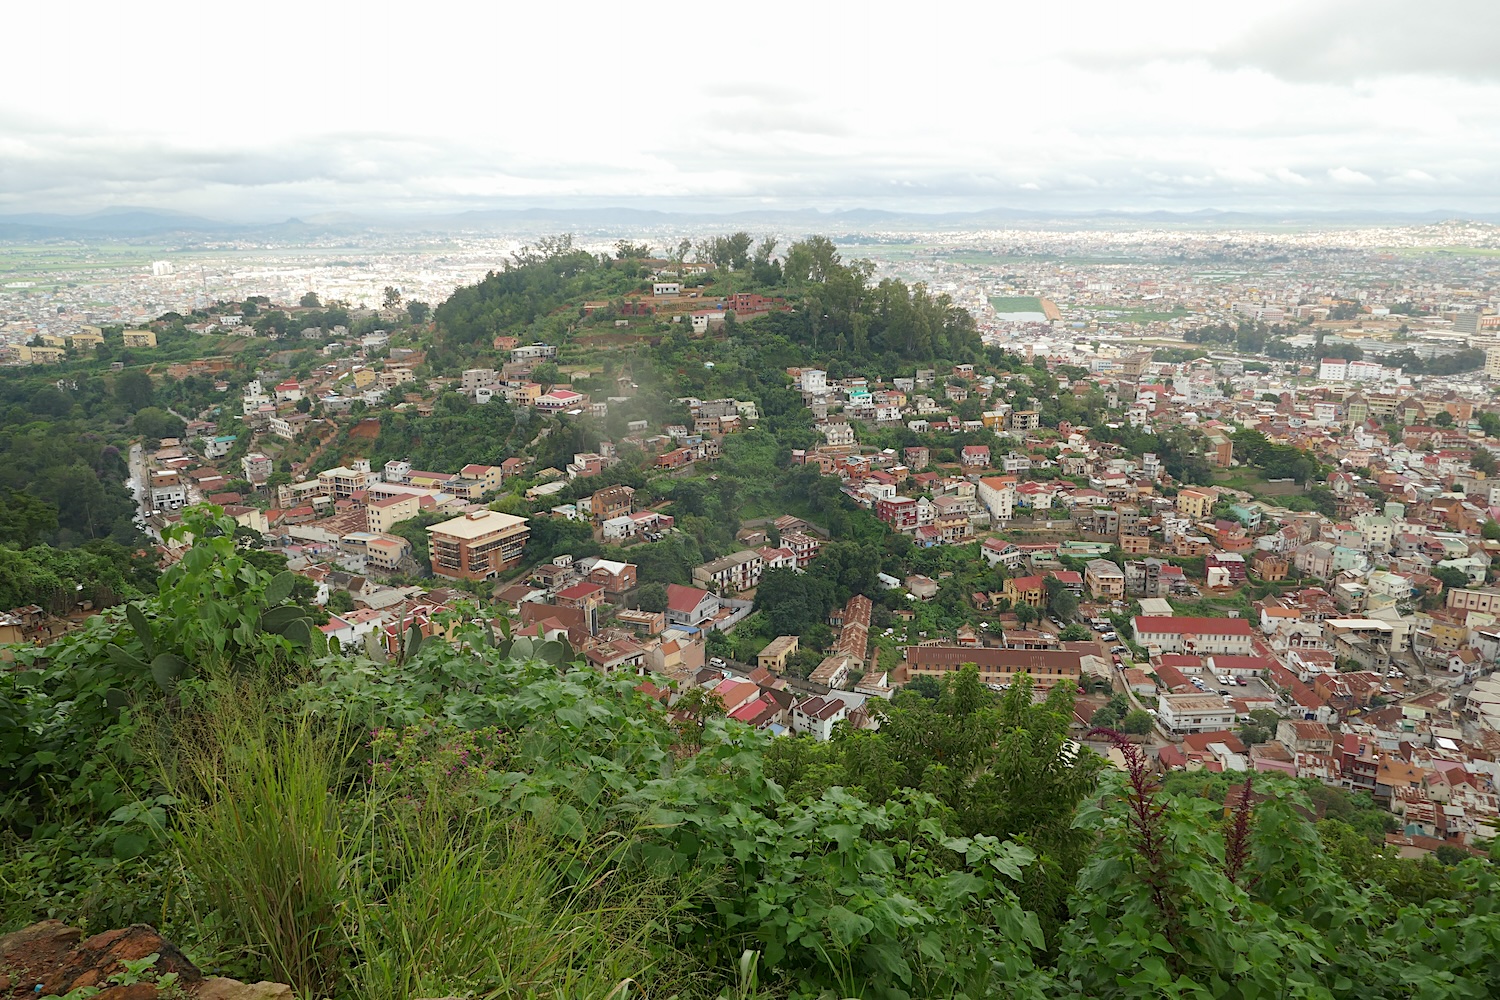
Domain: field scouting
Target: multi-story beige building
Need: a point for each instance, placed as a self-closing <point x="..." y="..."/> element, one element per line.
<point x="383" y="514"/>
<point x="1195" y="713"/>
<point x="88" y="337"/>
<point x="733" y="573"/>
<point x="1104" y="578"/>
<point x="998" y="494"/>
<point x="139" y="338"/>
<point x="344" y="481"/>
<point x="1194" y="504"/>
<point x="611" y="502"/>
<point x="1465" y="599"/>
<point x="478" y="545"/>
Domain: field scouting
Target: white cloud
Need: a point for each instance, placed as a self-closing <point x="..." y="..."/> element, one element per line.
<point x="1343" y="175"/>
<point x="460" y="104"/>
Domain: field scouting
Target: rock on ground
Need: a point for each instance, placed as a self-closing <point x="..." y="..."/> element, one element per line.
<point x="58" y="958"/>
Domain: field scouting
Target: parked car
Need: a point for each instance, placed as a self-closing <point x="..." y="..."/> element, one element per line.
<point x="1109" y="637"/>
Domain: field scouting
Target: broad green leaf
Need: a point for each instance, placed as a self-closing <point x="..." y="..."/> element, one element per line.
<point x="129" y="845"/>
<point x="278" y="619"/>
<point x="125" y="660"/>
<point x="279" y="589"/>
<point x="142" y="628"/>
<point x="298" y="632"/>
<point x="847" y="926"/>
<point x="167" y="668"/>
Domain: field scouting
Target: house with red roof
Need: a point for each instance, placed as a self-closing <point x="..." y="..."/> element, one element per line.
<point x="735" y="694"/>
<point x="1070" y="579"/>
<point x="1028" y="590"/>
<point x="771" y="709"/>
<point x="689" y="605"/>
<point x="975" y="456"/>
<point x="559" y="399"/>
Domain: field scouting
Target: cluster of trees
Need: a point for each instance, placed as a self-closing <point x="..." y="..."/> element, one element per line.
<point x="1117" y="714"/>
<point x="1276" y="461"/>
<point x="456" y="434"/>
<point x="1255" y="337"/>
<point x="101" y="572"/>
<point x="77" y="472"/>
<point x="886" y="325"/>
<point x="1180" y="455"/>
<point x="1467" y="360"/>
<point x="1247" y="336"/>
<point x="538" y="281"/>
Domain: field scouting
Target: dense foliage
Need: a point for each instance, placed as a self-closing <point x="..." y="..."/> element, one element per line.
<point x="478" y="814"/>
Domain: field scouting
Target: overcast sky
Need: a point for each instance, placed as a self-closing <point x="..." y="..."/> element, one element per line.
<point x="260" y="111"/>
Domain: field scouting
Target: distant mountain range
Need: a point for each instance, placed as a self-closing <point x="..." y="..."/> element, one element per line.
<point x="149" y="223"/>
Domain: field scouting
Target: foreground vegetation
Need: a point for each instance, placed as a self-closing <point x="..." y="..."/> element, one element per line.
<point x="479" y="816"/>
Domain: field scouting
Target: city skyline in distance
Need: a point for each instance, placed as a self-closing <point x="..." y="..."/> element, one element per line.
<point x="1377" y="107"/>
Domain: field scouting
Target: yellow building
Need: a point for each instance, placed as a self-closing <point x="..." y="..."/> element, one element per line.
<point x="1192" y="503"/>
<point x="1028" y="590"/>
<point x="139" y="338"/>
<point x="524" y="394"/>
<point x="88" y="338"/>
<point x="1448" y="636"/>
<point x="363" y="378"/>
<point x="774" y="656"/>
<point x="383" y="514"/>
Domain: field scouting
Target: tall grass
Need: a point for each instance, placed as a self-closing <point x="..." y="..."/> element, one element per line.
<point x="261" y="833"/>
<point x="488" y="906"/>
<point x="309" y="872"/>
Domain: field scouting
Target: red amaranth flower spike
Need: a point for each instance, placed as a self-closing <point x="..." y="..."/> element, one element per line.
<point x="1237" y="837"/>
<point x="1144" y="820"/>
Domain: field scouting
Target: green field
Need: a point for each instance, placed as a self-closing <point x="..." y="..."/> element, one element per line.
<point x="1251" y="481"/>
<point x="1449" y="251"/>
<point x="1016" y="303"/>
<point x="1138" y="315"/>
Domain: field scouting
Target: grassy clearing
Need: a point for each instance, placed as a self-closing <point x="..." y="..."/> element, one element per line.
<point x="1139" y="316"/>
<point x="1445" y="251"/>
<point x="1015" y="303"/>
<point x="1251" y="481"/>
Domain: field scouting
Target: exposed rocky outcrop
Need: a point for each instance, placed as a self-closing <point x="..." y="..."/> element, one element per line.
<point x="58" y="959"/>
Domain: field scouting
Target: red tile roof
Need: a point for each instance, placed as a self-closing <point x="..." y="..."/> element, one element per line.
<point x="580" y="590"/>
<point x="684" y="599"/>
<point x="1191" y="626"/>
